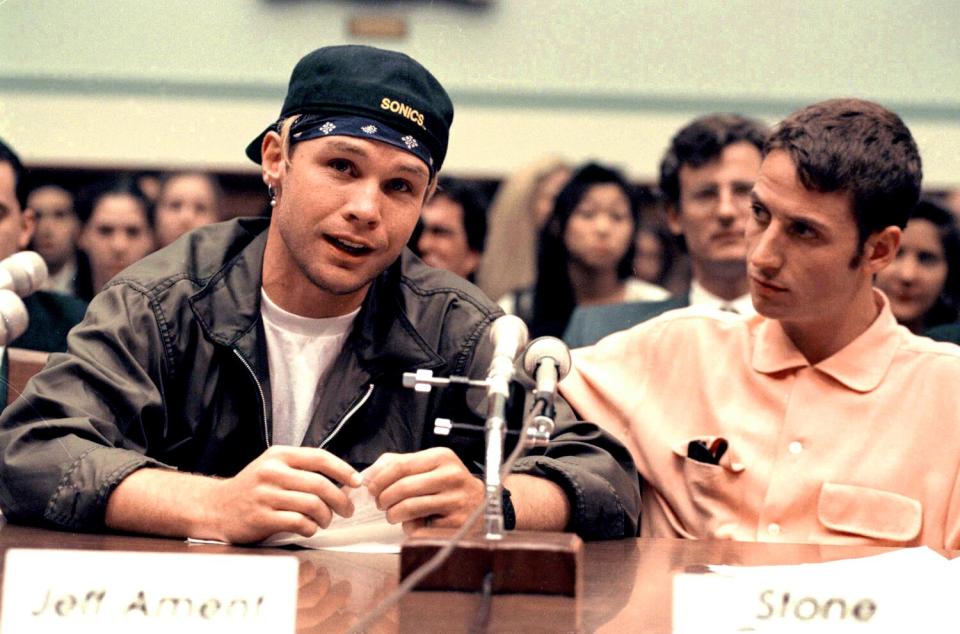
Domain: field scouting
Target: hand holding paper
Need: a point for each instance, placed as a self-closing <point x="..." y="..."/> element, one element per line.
<point x="431" y="485"/>
<point x="366" y="530"/>
<point x="286" y="489"/>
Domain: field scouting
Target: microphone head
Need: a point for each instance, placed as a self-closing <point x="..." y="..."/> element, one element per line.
<point x="13" y="317"/>
<point x="508" y="334"/>
<point x="27" y="271"/>
<point x="546" y="347"/>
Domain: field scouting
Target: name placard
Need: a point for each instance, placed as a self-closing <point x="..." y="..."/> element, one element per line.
<point x="783" y="603"/>
<point x="80" y="591"/>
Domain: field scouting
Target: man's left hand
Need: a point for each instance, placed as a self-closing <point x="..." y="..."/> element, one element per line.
<point x="426" y="487"/>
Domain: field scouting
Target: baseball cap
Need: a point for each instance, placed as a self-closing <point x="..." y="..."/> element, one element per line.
<point x="371" y="84"/>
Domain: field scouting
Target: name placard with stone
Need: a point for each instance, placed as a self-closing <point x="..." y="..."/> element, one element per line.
<point x="840" y="603"/>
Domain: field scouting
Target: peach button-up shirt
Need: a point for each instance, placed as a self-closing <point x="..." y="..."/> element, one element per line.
<point x="863" y="447"/>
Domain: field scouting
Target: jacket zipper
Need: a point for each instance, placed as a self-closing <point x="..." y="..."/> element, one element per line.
<point x="263" y="400"/>
<point x="346" y="417"/>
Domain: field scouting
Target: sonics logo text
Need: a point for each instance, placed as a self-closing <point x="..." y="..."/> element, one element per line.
<point x="402" y="109"/>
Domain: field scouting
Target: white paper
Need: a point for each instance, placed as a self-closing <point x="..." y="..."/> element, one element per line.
<point x="366" y="531"/>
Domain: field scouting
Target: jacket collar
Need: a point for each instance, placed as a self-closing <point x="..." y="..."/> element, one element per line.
<point x="384" y="334"/>
<point x="228" y="308"/>
<point x="860" y="365"/>
<point x="228" y="304"/>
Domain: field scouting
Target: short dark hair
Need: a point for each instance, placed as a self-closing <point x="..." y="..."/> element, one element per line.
<point x="859" y="148"/>
<point x="122" y="185"/>
<point x="474" y="203"/>
<point x="702" y="141"/>
<point x="7" y="155"/>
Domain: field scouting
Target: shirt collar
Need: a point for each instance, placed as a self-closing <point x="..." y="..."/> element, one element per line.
<point x="860" y="365"/>
<point x="699" y="296"/>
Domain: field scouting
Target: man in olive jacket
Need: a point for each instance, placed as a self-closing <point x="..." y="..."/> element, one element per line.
<point x="269" y="353"/>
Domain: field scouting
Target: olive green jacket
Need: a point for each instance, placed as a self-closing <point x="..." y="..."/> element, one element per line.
<point x="169" y="369"/>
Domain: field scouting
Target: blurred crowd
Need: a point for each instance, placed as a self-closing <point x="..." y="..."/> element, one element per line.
<point x="577" y="251"/>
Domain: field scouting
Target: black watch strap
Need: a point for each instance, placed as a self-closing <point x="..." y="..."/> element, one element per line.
<point x="509" y="515"/>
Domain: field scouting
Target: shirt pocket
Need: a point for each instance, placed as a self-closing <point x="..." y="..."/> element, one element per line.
<point x="874" y="513"/>
<point x="712" y="496"/>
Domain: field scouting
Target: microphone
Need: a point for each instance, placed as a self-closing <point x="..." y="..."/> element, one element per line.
<point x="23" y="273"/>
<point x="546" y="361"/>
<point x="13" y="316"/>
<point x="508" y="334"/>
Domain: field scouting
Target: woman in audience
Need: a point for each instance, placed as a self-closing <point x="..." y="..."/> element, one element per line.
<point x="185" y="201"/>
<point x="585" y="253"/>
<point x="517" y="213"/>
<point x="923" y="283"/>
<point x="117" y="231"/>
<point x="654" y="255"/>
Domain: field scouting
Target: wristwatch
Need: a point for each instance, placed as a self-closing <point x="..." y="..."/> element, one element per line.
<point x="509" y="515"/>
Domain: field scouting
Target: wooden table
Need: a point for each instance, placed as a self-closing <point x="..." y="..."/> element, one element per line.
<point x="627" y="584"/>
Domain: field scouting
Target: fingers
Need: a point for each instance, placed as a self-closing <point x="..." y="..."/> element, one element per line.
<point x="391" y="467"/>
<point x="308" y="470"/>
<point x="441" y="479"/>
<point x="305" y="504"/>
<point x="432" y="483"/>
<point x="437" y="508"/>
<point x="286" y="489"/>
<point x="319" y="461"/>
<point x="410" y="526"/>
<point x="289" y="522"/>
<point x="319" y="488"/>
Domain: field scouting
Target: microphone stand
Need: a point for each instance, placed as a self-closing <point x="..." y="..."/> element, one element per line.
<point x="514" y="561"/>
<point x="496" y="428"/>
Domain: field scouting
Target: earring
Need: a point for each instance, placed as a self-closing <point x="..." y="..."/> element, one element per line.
<point x="273" y="195"/>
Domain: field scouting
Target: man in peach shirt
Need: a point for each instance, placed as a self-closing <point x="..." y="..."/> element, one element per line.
<point x="820" y="419"/>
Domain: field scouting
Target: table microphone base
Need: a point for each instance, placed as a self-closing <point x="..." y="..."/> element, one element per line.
<point x="527" y="562"/>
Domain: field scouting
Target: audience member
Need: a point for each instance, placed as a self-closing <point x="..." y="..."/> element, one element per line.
<point x="706" y="176"/>
<point x="51" y="314"/>
<point x="117" y="231"/>
<point x="654" y="255"/>
<point x="453" y="228"/>
<point x="585" y="253"/>
<point x="56" y="235"/>
<point x="923" y="282"/>
<point x="185" y="201"/>
<point x="820" y="419"/>
<point x="517" y="214"/>
<point x="234" y="384"/>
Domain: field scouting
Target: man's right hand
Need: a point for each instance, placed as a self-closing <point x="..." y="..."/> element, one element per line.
<point x="286" y="489"/>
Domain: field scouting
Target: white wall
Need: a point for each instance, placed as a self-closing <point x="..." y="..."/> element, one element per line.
<point x="178" y="82"/>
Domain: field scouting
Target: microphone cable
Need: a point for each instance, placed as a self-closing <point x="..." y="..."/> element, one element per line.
<point x="418" y="575"/>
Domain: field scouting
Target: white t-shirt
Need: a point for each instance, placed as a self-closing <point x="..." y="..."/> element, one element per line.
<point x="300" y="351"/>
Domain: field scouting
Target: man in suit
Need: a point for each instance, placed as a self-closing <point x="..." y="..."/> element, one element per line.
<point x="453" y="228"/>
<point x="706" y="175"/>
